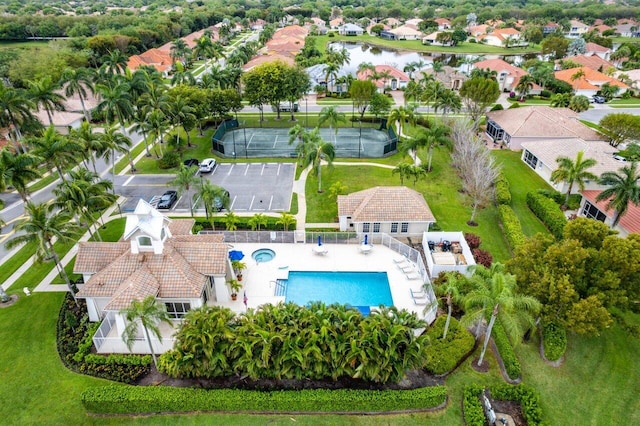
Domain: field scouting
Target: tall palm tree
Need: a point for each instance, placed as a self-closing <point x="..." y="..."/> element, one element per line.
<point x="115" y="103"/>
<point x="447" y="101"/>
<point x="157" y="125"/>
<point x="495" y="296"/>
<point x="623" y="189"/>
<point x="42" y="226"/>
<point x="184" y="181"/>
<point x="43" y="94"/>
<point x="524" y="86"/>
<point x="334" y="117"/>
<point x="573" y="171"/>
<point x="78" y="81"/>
<point x="178" y="50"/>
<point x="450" y="290"/>
<point x="58" y="151"/>
<point x="400" y="117"/>
<point x="140" y="124"/>
<point x="147" y="313"/>
<point x="18" y="170"/>
<point x="314" y="151"/>
<point x="433" y="91"/>
<point x="403" y="170"/>
<point x="15" y="108"/>
<point x="91" y="143"/>
<point x="114" y="63"/>
<point x="331" y="74"/>
<point x="208" y="193"/>
<point x="182" y="75"/>
<point x="112" y="142"/>
<point x="181" y="113"/>
<point x="435" y="135"/>
<point x="384" y="75"/>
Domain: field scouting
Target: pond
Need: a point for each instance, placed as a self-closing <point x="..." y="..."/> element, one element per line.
<point x="363" y="52"/>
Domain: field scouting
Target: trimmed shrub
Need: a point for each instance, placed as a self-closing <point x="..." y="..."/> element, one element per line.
<point x="503" y="192"/>
<point x="497" y="107"/>
<point x="511" y="226"/>
<point x="482" y="257"/>
<point x="444" y="355"/>
<point x="548" y="212"/>
<point x="169" y="160"/>
<point x="509" y="359"/>
<point x="473" y="240"/>
<point x="242" y="224"/>
<point x="156" y="399"/>
<point x="514" y="105"/>
<point x="472" y="406"/>
<point x="554" y="341"/>
<point x="545" y="94"/>
<point x="526" y="396"/>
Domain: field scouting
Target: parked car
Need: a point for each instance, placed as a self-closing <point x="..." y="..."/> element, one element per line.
<point x="189" y="162"/>
<point x="167" y="200"/>
<point x="286" y="107"/>
<point x="599" y="99"/>
<point x="207" y="165"/>
<point x="218" y="202"/>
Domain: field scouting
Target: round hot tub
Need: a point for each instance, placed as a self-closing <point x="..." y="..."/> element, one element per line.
<point x="263" y="255"/>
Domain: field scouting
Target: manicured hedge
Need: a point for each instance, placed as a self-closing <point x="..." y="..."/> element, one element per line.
<point x="511" y="226"/>
<point x="242" y="224"/>
<point x="509" y="359"/>
<point x="554" y="341"/>
<point x="142" y="399"/>
<point x="503" y="192"/>
<point x="445" y="354"/>
<point x="548" y="212"/>
<point x="526" y="396"/>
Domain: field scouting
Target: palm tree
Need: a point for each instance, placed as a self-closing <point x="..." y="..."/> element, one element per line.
<point x="18" y="170"/>
<point x="450" y="289"/>
<point x="157" y="125"/>
<point x="113" y="141"/>
<point x="181" y="113"/>
<point x="623" y="189"/>
<point x="209" y="193"/>
<point x="43" y="94"/>
<point x="435" y="135"/>
<point x="433" y="91"/>
<point x="185" y="179"/>
<point x="257" y="220"/>
<point x="314" y="151"/>
<point x="331" y="115"/>
<point x="78" y="81"/>
<point x="384" y="75"/>
<point x="91" y="144"/>
<point x="179" y="49"/>
<point x="182" y="75"/>
<point x="286" y="220"/>
<point x="401" y="116"/>
<point x="524" y="85"/>
<point x="58" y="151"/>
<point x="404" y="170"/>
<point x="448" y="101"/>
<point x="231" y="221"/>
<point x="573" y="171"/>
<point x="331" y="74"/>
<point x="296" y="133"/>
<point x="495" y="296"/>
<point x="148" y="313"/>
<point x="15" y="109"/>
<point x="41" y="226"/>
<point x="115" y="103"/>
<point x="114" y="63"/>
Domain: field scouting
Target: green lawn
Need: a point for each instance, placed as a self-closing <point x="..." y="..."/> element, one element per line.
<point x="631" y="102"/>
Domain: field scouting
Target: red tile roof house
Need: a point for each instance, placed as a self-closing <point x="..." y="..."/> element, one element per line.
<point x="156" y="257"/>
<point x="507" y="37"/>
<point x="398" y="79"/>
<point x="159" y="59"/>
<point x="534" y="123"/>
<point x="590" y="208"/>
<point x="508" y="75"/>
<point x="593" y="62"/>
<point x="394" y="210"/>
<point x="589" y="83"/>
<point x="596" y="49"/>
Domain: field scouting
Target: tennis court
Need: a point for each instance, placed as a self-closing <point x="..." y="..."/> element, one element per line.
<point x="353" y="142"/>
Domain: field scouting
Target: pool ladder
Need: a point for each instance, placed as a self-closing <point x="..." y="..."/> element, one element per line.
<point x="280" y="287"/>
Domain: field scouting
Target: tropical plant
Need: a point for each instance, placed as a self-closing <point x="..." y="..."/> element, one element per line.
<point x="184" y="180"/>
<point x="91" y="145"/>
<point x="114" y="63"/>
<point x="58" y="151"/>
<point x="623" y="189"/>
<point x="208" y="194"/>
<point x="434" y="135"/>
<point x="18" y="170"/>
<point x="43" y="94"/>
<point x="78" y="81"/>
<point x="334" y="117"/>
<point x="147" y="313"/>
<point x="573" y="172"/>
<point x="15" y="109"/>
<point x="524" y="86"/>
<point x="286" y="220"/>
<point x="231" y="221"/>
<point x="495" y="297"/>
<point x="314" y="150"/>
<point x="403" y="170"/>
<point x="449" y="288"/>
<point x="257" y="220"/>
<point x="112" y="142"/>
<point x="401" y="116"/>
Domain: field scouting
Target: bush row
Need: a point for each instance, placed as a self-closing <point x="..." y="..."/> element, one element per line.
<point x="554" y="341"/>
<point x="142" y="399"/>
<point x="509" y="359"/>
<point x="511" y="226"/>
<point x="548" y="212"/>
<point x="242" y="224"/>
<point x="559" y="198"/>
<point x="503" y="192"/>
<point x="445" y="355"/>
<point x="526" y="396"/>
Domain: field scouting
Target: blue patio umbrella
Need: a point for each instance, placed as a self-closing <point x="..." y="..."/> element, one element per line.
<point x="366" y="239"/>
<point x="236" y="255"/>
<point x="319" y="240"/>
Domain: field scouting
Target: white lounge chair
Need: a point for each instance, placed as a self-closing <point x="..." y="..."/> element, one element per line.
<point x="405" y="267"/>
<point x="400" y="259"/>
<point x="411" y="275"/>
<point x="418" y="294"/>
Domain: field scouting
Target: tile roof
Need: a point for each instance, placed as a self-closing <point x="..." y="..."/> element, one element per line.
<point x="157" y="58"/>
<point x="405" y="30"/>
<point x="182" y="227"/>
<point x="544" y="122"/>
<point x="59" y="118"/>
<point x="272" y="57"/>
<point x="594" y="47"/>
<point x="593" y="62"/>
<point x="94" y="256"/>
<point x="395" y="73"/>
<point x="630" y="221"/>
<point x="591" y="79"/>
<point x="385" y="204"/>
<point x="138" y="286"/>
<point x="548" y="151"/>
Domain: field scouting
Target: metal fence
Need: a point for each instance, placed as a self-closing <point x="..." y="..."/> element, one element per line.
<point x="102" y="334"/>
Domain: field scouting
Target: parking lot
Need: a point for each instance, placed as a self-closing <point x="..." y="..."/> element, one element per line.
<point x="253" y="187"/>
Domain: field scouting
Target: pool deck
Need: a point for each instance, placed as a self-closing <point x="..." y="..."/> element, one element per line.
<point x="259" y="278"/>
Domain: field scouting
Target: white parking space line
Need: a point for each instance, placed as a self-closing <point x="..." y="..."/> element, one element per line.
<point x="177" y="202"/>
<point x="247" y="169"/>
<point x="250" y="139"/>
<point x="128" y="180"/>
<point x="262" y="171"/>
<point x="270" y="202"/>
<point x="233" y="202"/>
<point x="275" y="141"/>
<point x="278" y="172"/>
<point x="230" y="169"/>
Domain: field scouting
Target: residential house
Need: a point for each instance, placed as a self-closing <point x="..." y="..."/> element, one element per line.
<point x="350" y="30"/>
<point x="413" y="22"/>
<point x="628" y="29"/>
<point x="403" y="32"/>
<point x="587" y="82"/>
<point x="395" y="210"/>
<point x="577" y="29"/>
<point x="478" y="30"/>
<point x="503" y="37"/>
<point x="629" y="223"/>
<point x="593" y="62"/>
<point x="508" y="75"/>
<point x="447" y="252"/>
<point x="318" y="25"/>
<point x="533" y="123"/>
<point x="550" y="28"/>
<point x="541" y="156"/>
<point x="285" y="44"/>
<point x="450" y="77"/>
<point x="443" y="24"/>
<point x="385" y="27"/>
<point x="72" y="115"/>
<point x="156" y="257"/>
<point x="336" y="23"/>
<point x="600" y="28"/>
<point x="600" y="51"/>
<point x="633" y="78"/>
<point x="333" y="83"/>
<point x="396" y="79"/>
<point x="433" y="40"/>
<point x="258" y="24"/>
<point x="267" y="57"/>
<point x="392" y="22"/>
<point x="159" y="59"/>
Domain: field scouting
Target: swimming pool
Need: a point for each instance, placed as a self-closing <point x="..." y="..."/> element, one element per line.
<point x="352" y="288"/>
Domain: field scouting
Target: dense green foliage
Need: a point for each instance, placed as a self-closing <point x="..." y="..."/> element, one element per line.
<point x="526" y="396"/>
<point x="327" y="342"/>
<point x="161" y="399"/>
<point x="548" y="212"/>
<point x="554" y="341"/>
<point x="509" y="359"/>
<point x="511" y="226"/>
<point x="446" y="354"/>
<point x="503" y="193"/>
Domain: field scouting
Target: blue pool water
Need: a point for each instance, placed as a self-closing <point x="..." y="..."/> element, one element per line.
<point x="351" y="288"/>
<point x="263" y="255"/>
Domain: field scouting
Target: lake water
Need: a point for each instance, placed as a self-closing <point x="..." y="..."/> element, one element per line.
<point x="362" y="52"/>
